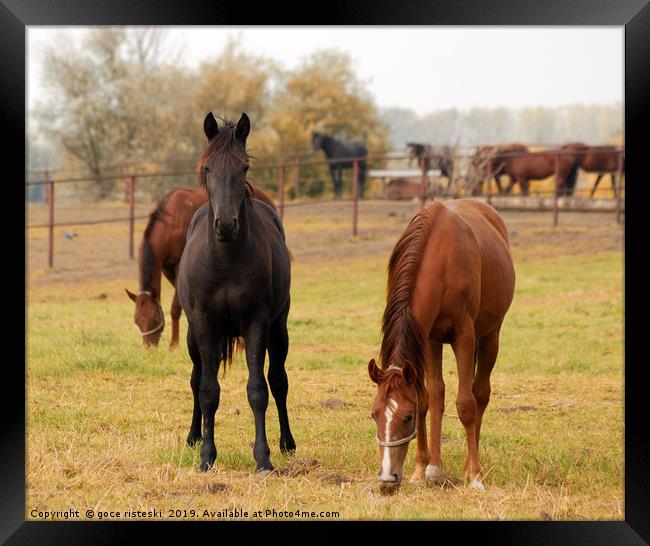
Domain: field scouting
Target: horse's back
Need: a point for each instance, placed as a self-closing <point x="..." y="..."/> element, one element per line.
<point x="473" y="244"/>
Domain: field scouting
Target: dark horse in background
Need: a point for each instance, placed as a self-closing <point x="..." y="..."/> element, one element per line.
<point x="160" y="253"/>
<point x="337" y="149"/>
<point x="428" y="157"/>
<point x="233" y="282"/>
<point x="598" y="159"/>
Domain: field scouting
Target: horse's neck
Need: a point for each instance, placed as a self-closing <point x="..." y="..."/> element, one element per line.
<point x="150" y="265"/>
<point x="329" y="146"/>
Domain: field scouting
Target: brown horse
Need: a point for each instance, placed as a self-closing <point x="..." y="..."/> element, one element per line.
<point x="598" y="159"/>
<point x="450" y="280"/>
<point x="524" y="167"/>
<point x="160" y="253"/>
<point x="479" y="165"/>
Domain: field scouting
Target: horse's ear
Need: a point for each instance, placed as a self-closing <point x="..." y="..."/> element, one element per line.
<point x="210" y="127"/>
<point x="374" y="371"/>
<point x="131" y="295"/>
<point x="409" y="373"/>
<point x="243" y="128"/>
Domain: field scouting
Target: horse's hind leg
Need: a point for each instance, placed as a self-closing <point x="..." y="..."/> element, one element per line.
<point x="195" y="429"/>
<point x="595" y="186"/>
<point x="488" y="348"/>
<point x="277" y="375"/>
<point x="176" y="315"/>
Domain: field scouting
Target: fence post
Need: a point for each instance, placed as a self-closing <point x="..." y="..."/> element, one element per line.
<point x="131" y="188"/>
<point x="355" y="196"/>
<point x="50" y="206"/>
<point x="281" y="191"/>
<point x="423" y="178"/>
<point x="556" y="197"/>
<point x="489" y="181"/>
<point x="296" y="188"/>
<point x="618" y="187"/>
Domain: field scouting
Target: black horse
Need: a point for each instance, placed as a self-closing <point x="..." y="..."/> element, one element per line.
<point x="233" y="282"/>
<point x="336" y="149"/>
<point x="432" y="158"/>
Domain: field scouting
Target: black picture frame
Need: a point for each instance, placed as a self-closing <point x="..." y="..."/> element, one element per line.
<point x="634" y="15"/>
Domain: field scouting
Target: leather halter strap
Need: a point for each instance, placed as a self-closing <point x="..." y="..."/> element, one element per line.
<point x="413" y="434"/>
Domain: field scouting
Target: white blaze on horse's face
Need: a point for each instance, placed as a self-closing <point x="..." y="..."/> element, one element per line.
<point x="394" y="419"/>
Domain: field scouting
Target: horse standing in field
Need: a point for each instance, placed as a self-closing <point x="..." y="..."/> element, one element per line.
<point x="478" y="168"/>
<point x="160" y="253"/>
<point x="233" y="281"/>
<point x="432" y="158"/>
<point x="524" y="167"/>
<point x="450" y="280"/>
<point x="598" y="159"/>
<point x="336" y="149"/>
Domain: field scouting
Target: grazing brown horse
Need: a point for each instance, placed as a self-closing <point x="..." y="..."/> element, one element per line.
<point x="479" y="165"/>
<point x="450" y="280"/>
<point x="160" y="253"/>
<point x="598" y="159"/>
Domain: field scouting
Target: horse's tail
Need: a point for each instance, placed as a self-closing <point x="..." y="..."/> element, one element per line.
<point x="230" y="346"/>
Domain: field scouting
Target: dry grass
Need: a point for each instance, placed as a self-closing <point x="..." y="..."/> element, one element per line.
<point x="107" y="420"/>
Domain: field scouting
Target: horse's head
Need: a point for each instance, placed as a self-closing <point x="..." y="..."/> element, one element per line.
<point x="222" y="172"/>
<point x="316" y="141"/>
<point x="395" y="411"/>
<point x="149" y="317"/>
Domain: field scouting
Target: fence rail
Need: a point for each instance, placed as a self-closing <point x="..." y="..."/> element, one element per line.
<point x="294" y="164"/>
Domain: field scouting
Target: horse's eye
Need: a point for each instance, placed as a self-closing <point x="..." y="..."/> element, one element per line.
<point x="408" y="418"/>
<point x="206" y="169"/>
<point x="245" y="168"/>
<point x="374" y="415"/>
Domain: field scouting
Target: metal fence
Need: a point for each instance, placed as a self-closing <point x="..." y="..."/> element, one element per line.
<point x="273" y="176"/>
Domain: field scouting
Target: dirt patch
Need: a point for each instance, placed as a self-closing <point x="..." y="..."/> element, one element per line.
<point x="517" y="409"/>
<point x="213" y="487"/>
<point x="443" y="481"/>
<point x="299" y="467"/>
<point x="335" y="403"/>
<point x="338" y="479"/>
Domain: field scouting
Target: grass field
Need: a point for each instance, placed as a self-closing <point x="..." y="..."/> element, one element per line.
<point x="107" y="419"/>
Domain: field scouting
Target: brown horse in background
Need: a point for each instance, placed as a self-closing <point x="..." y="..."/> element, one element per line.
<point x="450" y="280"/>
<point x="524" y="167"/>
<point x="160" y="253"/>
<point x="479" y="165"/>
<point x="598" y="159"/>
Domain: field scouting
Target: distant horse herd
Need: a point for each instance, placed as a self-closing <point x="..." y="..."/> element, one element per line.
<point x="222" y="246"/>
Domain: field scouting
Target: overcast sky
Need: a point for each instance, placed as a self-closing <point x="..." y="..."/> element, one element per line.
<point x="427" y="68"/>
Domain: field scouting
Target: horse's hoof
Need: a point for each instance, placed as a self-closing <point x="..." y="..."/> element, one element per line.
<point x="432" y="472"/>
<point x="477" y="485"/>
<point x="417" y="477"/>
<point x="204" y="467"/>
<point x="288" y="447"/>
<point x="263" y="472"/>
<point x="193" y="440"/>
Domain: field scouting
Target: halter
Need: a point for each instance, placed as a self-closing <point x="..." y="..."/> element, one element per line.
<point x="162" y="317"/>
<point x="415" y="427"/>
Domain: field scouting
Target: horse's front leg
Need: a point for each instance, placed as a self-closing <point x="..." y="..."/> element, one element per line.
<point x="209" y="347"/>
<point x="256" y="339"/>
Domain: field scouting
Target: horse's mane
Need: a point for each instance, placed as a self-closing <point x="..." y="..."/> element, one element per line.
<point x="147" y="256"/>
<point x="403" y="340"/>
